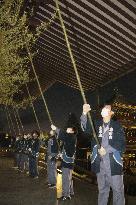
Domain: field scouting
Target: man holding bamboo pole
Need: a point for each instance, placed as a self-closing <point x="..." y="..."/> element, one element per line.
<point x="106" y="161"/>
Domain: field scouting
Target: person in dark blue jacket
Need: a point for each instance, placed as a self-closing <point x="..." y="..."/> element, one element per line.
<point x="22" y="154"/>
<point x="69" y="140"/>
<point x="106" y="161"/>
<point x="33" y="154"/>
<point x="52" y="153"/>
<point x="17" y="149"/>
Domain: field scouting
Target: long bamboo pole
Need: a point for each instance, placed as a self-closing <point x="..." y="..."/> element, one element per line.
<point x="76" y="71"/>
<point x="14" y="130"/>
<point x="36" y="118"/>
<point x="19" y="118"/>
<point x="9" y="126"/>
<point x="39" y="86"/>
<point x="17" y="123"/>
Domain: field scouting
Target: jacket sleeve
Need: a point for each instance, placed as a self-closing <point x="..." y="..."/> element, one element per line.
<point x="60" y="134"/>
<point x="85" y="125"/>
<point x="37" y="147"/>
<point x="16" y="146"/>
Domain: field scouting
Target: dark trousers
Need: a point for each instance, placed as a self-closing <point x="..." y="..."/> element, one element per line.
<point x="67" y="182"/>
<point x="51" y="171"/>
<point x="33" y="166"/>
<point x="17" y="159"/>
<point x="23" y="159"/>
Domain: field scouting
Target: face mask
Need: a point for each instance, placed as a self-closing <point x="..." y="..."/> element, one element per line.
<point x="105" y="112"/>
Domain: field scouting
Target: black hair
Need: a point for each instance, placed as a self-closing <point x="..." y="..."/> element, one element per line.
<point x="73" y="123"/>
<point x="75" y="129"/>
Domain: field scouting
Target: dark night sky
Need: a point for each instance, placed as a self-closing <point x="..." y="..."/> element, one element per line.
<point x="62" y="99"/>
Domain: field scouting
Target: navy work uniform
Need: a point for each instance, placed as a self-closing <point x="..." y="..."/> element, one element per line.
<point x="33" y="157"/>
<point x="23" y="156"/>
<point x="17" y="152"/>
<point x="68" y="157"/>
<point x="108" y="168"/>
<point x="52" y="153"/>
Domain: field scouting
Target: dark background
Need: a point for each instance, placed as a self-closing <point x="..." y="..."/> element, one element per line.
<point x="62" y="99"/>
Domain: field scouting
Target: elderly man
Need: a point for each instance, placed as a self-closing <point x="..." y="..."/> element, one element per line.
<point x="106" y="162"/>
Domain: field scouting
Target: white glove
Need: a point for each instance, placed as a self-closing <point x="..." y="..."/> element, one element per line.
<point x="86" y="108"/>
<point x="102" y="151"/>
<point x="29" y="149"/>
<point x="53" y="127"/>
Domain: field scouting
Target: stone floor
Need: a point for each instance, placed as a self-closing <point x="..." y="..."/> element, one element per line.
<point x="18" y="189"/>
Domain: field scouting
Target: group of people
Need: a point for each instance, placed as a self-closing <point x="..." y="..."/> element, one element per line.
<point x="106" y="160"/>
<point x="60" y="144"/>
<point x="27" y="149"/>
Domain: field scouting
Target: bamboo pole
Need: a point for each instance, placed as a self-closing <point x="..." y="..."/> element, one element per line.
<point x="14" y="130"/>
<point x="76" y="72"/>
<point x="36" y="118"/>
<point x="16" y="120"/>
<point x="10" y="130"/>
<point x="19" y="118"/>
<point x="39" y="86"/>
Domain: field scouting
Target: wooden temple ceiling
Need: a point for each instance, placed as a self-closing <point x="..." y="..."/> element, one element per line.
<point x="102" y="35"/>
